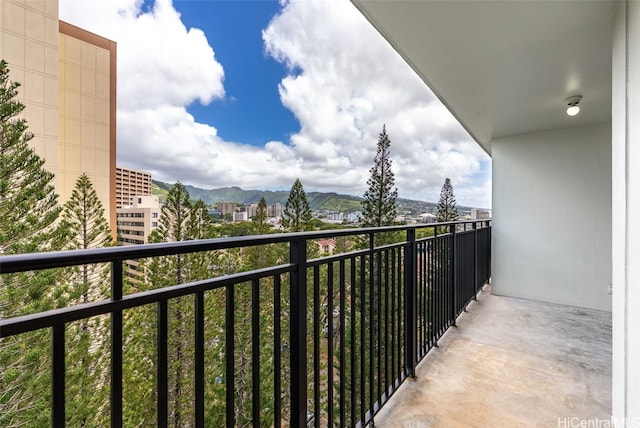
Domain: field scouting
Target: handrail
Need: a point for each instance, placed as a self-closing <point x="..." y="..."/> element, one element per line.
<point x="401" y="297"/>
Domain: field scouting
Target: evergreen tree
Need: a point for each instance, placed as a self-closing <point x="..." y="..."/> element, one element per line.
<point x="200" y="221"/>
<point x="297" y="214"/>
<point x="175" y="225"/>
<point x="28" y="213"/>
<point x="447" y="210"/>
<point x="87" y="364"/>
<point x="379" y="205"/>
<point x="260" y="219"/>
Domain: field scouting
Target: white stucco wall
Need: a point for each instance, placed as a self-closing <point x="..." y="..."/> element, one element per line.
<point x="552" y="216"/>
<point x="626" y="215"/>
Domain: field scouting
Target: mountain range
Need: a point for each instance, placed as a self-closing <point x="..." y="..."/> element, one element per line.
<point x="317" y="200"/>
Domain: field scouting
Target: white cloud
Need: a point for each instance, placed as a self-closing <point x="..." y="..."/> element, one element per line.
<point x="344" y="82"/>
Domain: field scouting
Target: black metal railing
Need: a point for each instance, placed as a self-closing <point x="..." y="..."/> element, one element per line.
<point x="307" y="342"/>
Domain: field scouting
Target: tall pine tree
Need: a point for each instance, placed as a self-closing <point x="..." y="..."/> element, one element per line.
<point x="447" y="210"/>
<point x="87" y="356"/>
<point x="28" y="213"/>
<point x="379" y="204"/>
<point x="297" y="214"/>
<point x="260" y="219"/>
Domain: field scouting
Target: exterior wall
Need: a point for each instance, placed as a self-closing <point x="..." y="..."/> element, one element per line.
<point x="68" y="86"/>
<point x="551" y="216"/>
<point x="29" y="44"/>
<point x="87" y="133"/>
<point x="625" y="213"/>
<point x="130" y="183"/>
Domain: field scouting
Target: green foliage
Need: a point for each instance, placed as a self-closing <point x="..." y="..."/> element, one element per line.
<point x="28" y="213"/>
<point x="379" y="205"/>
<point x="260" y="219"/>
<point x="297" y="214"/>
<point x="87" y="349"/>
<point x="447" y="210"/>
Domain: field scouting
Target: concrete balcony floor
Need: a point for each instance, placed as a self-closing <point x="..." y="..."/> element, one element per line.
<point x="511" y="363"/>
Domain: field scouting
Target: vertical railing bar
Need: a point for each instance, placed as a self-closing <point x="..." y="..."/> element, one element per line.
<point x="316" y="345"/>
<point x="162" y="363"/>
<point x="343" y="371"/>
<point x="277" y="356"/>
<point x="199" y="359"/>
<point x="116" y="346"/>
<point x="386" y="319"/>
<point x="255" y="352"/>
<point x="410" y="303"/>
<point x="370" y="303"/>
<point x="394" y="308"/>
<point x="230" y="354"/>
<point x="352" y="351"/>
<point x="441" y="286"/>
<point x="58" y="406"/>
<point x="372" y="329"/>
<point x="454" y="276"/>
<point x="423" y="300"/>
<point x="400" y="314"/>
<point x="362" y="341"/>
<point x="330" y="343"/>
<point x="378" y="289"/>
<point x="430" y="276"/>
<point x="298" y="331"/>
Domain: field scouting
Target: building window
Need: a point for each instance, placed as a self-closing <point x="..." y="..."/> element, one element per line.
<point x="154" y="224"/>
<point x="139" y="200"/>
<point x="154" y="215"/>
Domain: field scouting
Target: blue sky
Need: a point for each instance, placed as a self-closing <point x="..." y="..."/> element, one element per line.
<point x="252" y="111"/>
<point x="259" y="93"/>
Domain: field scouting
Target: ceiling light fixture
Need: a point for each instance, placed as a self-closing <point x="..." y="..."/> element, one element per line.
<point x="572" y="105"/>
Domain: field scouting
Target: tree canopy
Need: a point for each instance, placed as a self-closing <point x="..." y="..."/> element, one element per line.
<point x="447" y="209"/>
<point x="297" y="213"/>
<point x="379" y="205"/>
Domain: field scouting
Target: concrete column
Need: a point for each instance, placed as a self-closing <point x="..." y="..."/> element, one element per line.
<point x="626" y="214"/>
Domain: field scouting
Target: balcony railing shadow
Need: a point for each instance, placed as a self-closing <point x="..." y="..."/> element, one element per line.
<point x="308" y="342"/>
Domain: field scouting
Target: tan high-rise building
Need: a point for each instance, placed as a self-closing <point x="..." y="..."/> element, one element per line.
<point x="68" y="85"/>
<point x="130" y="183"/>
<point x="135" y="222"/>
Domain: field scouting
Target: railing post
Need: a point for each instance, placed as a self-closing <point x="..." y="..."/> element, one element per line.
<point x="57" y="376"/>
<point x="298" y="320"/>
<point x="116" y="346"/>
<point x="410" y="303"/>
<point x="475" y="261"/>
<point x="454" y="276"/>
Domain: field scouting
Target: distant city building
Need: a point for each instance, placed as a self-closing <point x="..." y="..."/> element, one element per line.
<point x="135" y="223"/>
<point x="480" y="214"/>
<point x="274" y="210"/>
<point x="227" y="207"/>
<point x="130" y="183"/>
<point x="67" y="79"/>
<point x="240" y="216"/>
<point x="427" y="218"/>
<point x="251" y="210"/>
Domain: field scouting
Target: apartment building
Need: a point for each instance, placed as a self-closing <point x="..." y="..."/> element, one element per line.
<point x="68" y="85"/>
<point x="129" y="184"/>
<point x="137" y="220"/>
<point x="135" y="223"/>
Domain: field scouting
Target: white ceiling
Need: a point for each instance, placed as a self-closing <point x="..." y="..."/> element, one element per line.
<point x="505" y="67"/>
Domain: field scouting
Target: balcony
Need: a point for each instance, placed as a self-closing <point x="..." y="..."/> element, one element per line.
<point x="323" y="341"/>
<point x="512" y="363"/>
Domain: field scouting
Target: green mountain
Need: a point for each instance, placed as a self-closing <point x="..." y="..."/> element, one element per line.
<point x="317" y="200"/>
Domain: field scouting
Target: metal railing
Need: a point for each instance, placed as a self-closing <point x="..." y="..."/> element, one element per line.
<point x="330" y="340"/>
